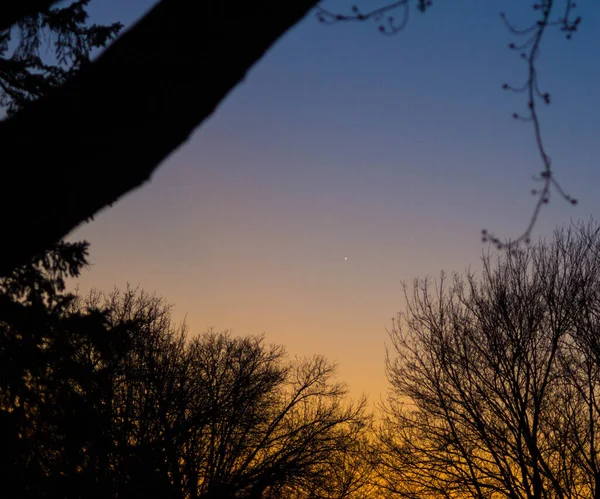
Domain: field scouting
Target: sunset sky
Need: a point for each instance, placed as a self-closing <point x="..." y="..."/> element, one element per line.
<point x="346" y="163"/>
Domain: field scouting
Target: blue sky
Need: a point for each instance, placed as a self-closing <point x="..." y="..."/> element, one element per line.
<point x="346" y="163"/>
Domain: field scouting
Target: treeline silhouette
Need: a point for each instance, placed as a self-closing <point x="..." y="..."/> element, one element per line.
<point x="494" y="392"/>
<point x="494" y="379"/>
<point x="103" y="396"/>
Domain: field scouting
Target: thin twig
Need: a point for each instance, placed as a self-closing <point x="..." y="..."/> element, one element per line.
<point x="534" y="95"/>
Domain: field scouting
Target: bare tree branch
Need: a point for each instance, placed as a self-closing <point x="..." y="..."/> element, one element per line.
<point x="529" y="50"/>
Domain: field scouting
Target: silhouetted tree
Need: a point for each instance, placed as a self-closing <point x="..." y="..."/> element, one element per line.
<point x="140" y="100"/>
<point x="24" y="74"/>
<point x="54" y="390"/>
<point x="579" y="402"/>
<point x="274" y="425"/>
<point x="127" y="111"/>
<point x="494" y="386"/>
<point x="155" y="401"/>
<point x="221" y="416"/>
<point x="28" y="28"/>
<point x="104" y="396"/>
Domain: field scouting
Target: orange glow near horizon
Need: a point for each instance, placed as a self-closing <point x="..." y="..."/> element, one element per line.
<point x="392" y="152"/>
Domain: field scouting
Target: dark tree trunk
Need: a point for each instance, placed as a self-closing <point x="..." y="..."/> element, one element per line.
<point x="85" y="145"/>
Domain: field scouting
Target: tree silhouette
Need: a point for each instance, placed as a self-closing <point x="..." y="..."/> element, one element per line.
<point x="274" y="426"/>
<point x="104" y="396"/>
<point x="140" y="101"/>
<point x="54" y="363"/>
<point x="494" y="382"/>
<point x="24" y="75"/>
<point x="53" y="360"/>
<point x="220" y="416"/>
<point x="125" y="112"/>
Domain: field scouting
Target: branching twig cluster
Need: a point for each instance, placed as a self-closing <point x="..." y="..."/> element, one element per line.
<point x="529" y="49"/>
<point x="63" y="31"/>
<point x="389" y="22"/>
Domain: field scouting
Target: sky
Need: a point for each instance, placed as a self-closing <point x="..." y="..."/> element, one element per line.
<point x="345" y="164"/>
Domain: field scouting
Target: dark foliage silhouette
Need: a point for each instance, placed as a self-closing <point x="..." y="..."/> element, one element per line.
<point x="28" y="29"/>
<point x="53" y="360"/>
<point x="104" y="396"/>
<point x="54" y="365"/>
<point x="13" y="12"/>
<point x="495" y="381"/>
<point x="221" y="416"/>
<point x="24" y="74"/>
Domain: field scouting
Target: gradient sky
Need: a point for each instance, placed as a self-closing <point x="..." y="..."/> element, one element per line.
<point x="392" y="152"/>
